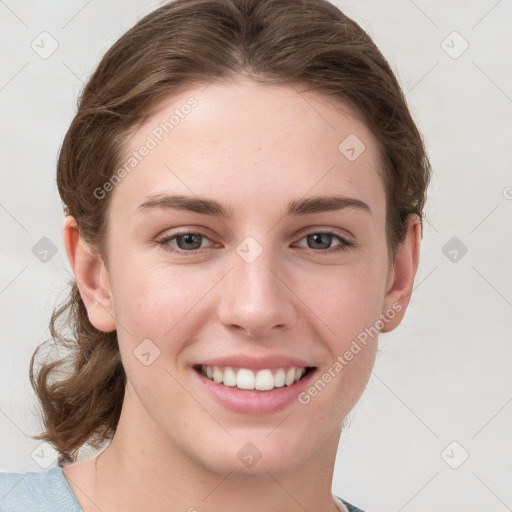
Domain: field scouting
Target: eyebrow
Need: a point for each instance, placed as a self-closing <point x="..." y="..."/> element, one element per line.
<point x="206" y="206"/>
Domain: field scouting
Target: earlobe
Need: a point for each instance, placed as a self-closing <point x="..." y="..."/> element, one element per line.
<point x="402" y="275"/>
<point x="92" y="278"/>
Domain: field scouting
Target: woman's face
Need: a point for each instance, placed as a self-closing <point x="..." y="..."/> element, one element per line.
<point x="268" y="278"/>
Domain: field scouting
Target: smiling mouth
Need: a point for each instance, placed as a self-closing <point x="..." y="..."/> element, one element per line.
<point x="265" y="379"/>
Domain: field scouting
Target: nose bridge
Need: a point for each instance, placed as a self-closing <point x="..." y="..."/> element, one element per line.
<point x="253" y="296"/>
<point x="257" y="277"/>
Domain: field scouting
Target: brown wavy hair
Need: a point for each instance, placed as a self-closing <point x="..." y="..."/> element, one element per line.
<point x="309" y="43"/>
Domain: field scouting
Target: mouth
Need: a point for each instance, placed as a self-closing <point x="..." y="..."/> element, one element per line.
<point x="262" y="380"/>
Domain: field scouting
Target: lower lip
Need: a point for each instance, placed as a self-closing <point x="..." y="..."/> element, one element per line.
<point x="251" y="401"/>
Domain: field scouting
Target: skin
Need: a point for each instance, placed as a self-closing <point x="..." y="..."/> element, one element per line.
<point x="253" y="148"/>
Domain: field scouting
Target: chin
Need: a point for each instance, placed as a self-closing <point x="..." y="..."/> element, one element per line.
<point x="254" y="457"/>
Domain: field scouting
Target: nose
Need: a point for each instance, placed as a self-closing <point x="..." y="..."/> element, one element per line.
<point x="255" y="297"/>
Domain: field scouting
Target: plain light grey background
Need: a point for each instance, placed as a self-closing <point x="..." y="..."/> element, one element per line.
<point x="432" y="430"/>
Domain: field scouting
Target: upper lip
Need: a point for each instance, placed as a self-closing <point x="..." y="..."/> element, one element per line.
<point x="257" y="363"/>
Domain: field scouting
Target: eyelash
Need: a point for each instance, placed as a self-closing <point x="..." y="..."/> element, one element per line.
<point x="344" y="245"/>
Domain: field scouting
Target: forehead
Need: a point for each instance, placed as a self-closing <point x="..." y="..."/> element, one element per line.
<point x="245" y="143"/>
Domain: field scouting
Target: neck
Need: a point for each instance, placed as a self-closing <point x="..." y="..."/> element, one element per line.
<point x="142" y="469"/>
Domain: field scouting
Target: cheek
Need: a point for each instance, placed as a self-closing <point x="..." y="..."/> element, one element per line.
<point x="347" y="301"/>
<point x="350" y="312"/>
<point x="348" y="306"/>
<point x="155" y="301"/>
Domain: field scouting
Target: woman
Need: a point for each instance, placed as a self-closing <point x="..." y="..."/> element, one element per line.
<point x="243" y="187"/>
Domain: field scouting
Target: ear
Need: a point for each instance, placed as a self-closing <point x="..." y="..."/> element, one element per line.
<point x="401" y="277"/>
<point x="91" y="276"/>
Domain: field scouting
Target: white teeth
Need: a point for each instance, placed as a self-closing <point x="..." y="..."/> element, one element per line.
<point x="245" y="379"/>
<point x="264" y="380"/>
<point x="261" y="380"/>
<point x="229" y="377"/>
<point x="279" y="378"/>
<point x="217" y="374"/>
<point x="290" y="377"/>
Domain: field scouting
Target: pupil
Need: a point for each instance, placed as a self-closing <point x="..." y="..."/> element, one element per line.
<point x="318" y="235"/>
<point x="188" y="239"/>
